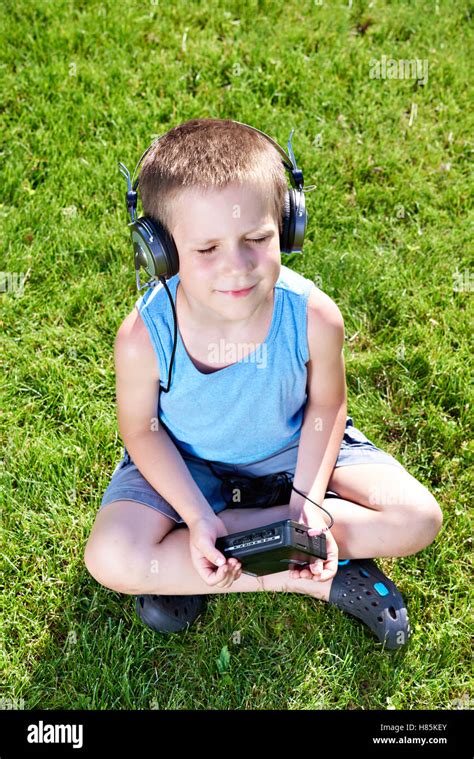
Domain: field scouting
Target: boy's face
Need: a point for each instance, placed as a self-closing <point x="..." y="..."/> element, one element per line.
<point x="226" y="223"/>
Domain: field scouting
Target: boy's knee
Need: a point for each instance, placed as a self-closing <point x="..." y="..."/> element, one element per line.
<point x="114" y="565"/>
<point x="427" y="520"/>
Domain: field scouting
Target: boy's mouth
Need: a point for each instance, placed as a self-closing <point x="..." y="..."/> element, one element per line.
<point x="237" y="293"/>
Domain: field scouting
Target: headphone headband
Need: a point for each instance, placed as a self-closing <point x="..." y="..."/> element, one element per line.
<point x="288" y="160"/>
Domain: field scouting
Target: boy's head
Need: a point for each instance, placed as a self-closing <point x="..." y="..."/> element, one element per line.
<point x="218" y="187"/>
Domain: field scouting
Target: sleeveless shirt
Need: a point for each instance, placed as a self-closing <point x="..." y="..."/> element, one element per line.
<point x="248" y="410"/>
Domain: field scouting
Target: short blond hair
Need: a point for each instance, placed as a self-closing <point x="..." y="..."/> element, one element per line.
<point x="210" y="153"/>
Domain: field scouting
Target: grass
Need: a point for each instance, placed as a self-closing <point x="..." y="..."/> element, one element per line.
<point x="86" y="84"/>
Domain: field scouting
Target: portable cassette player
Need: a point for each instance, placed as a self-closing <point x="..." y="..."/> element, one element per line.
<point x="273" y="548"/>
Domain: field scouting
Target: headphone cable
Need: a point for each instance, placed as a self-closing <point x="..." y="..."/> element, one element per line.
<point x="319" y="507"/>
<point x="175" y="332"/>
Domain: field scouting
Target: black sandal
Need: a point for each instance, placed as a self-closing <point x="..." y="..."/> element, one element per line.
<point x="169" y="613"/>
<point x="360" y="588"/>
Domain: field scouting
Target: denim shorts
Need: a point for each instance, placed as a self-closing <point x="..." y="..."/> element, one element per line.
<point x="128" y="484"/>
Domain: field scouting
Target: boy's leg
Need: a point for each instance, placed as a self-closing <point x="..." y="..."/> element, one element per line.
<point x="375" y="527"/>
<point x="120" y="531"/>
<point x="134" y="549"/>
<point x="383" y="511"/>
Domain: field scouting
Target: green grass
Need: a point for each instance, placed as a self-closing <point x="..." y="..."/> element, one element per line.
<point x="86" y="84"/>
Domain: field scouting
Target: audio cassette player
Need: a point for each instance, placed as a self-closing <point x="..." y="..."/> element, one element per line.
<point x="273" y="548"/>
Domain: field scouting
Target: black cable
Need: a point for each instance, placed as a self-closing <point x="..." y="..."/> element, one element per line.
<point x="316" y="504"/>
<point x="175" y="335"/>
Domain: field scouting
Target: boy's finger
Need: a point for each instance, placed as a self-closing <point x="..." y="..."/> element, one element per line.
<point x="306" y="574"/>
<point x="218" y="559"/>
<point x="211" y="577"/>
<point x="210" y="552"/>
<point x="227" y="580"/>
<point x="326" y="575"/>
<point x="221" y="572"/>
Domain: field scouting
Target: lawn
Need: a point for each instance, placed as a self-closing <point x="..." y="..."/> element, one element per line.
<point x="86" y="84"/>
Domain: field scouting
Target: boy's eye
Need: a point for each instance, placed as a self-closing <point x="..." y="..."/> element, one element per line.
<point x="210" y="250"/>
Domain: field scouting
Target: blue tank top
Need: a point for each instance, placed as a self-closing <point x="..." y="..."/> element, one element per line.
<point x="248" y="410"/>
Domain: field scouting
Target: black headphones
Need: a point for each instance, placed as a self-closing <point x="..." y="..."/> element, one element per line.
<point x="155" y="250"/>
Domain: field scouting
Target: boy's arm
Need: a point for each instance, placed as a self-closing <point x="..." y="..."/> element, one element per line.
<point x="151" y="448"/>
<point x="326" y="406"/>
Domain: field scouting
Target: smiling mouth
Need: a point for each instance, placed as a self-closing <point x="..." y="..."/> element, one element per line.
<point x="241" y="290"/>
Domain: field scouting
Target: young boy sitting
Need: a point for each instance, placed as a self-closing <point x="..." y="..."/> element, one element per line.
<point x="257" y="388"/>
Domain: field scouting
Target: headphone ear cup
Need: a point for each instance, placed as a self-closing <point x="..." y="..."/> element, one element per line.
<point x="299" y="220"/>
<point x="294" y="222"/>
<point x="154" y="248"/>
<point x="285" y="235"/>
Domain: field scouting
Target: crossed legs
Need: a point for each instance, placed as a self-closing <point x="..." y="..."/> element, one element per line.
<point x="382" y="511"/>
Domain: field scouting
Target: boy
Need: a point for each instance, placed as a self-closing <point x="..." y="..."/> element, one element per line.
<point x="257" y="388"/>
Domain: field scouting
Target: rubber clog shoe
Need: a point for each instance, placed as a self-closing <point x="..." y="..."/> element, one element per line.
<point x="360" y="588"/>
<point x="169" y="614"/>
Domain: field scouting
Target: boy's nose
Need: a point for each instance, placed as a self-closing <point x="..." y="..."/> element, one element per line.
<point x="238" y="260"/>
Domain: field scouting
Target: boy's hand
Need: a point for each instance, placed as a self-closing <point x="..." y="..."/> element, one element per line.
<point x="205" y="556"/>
<point x="318" y="570"/>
